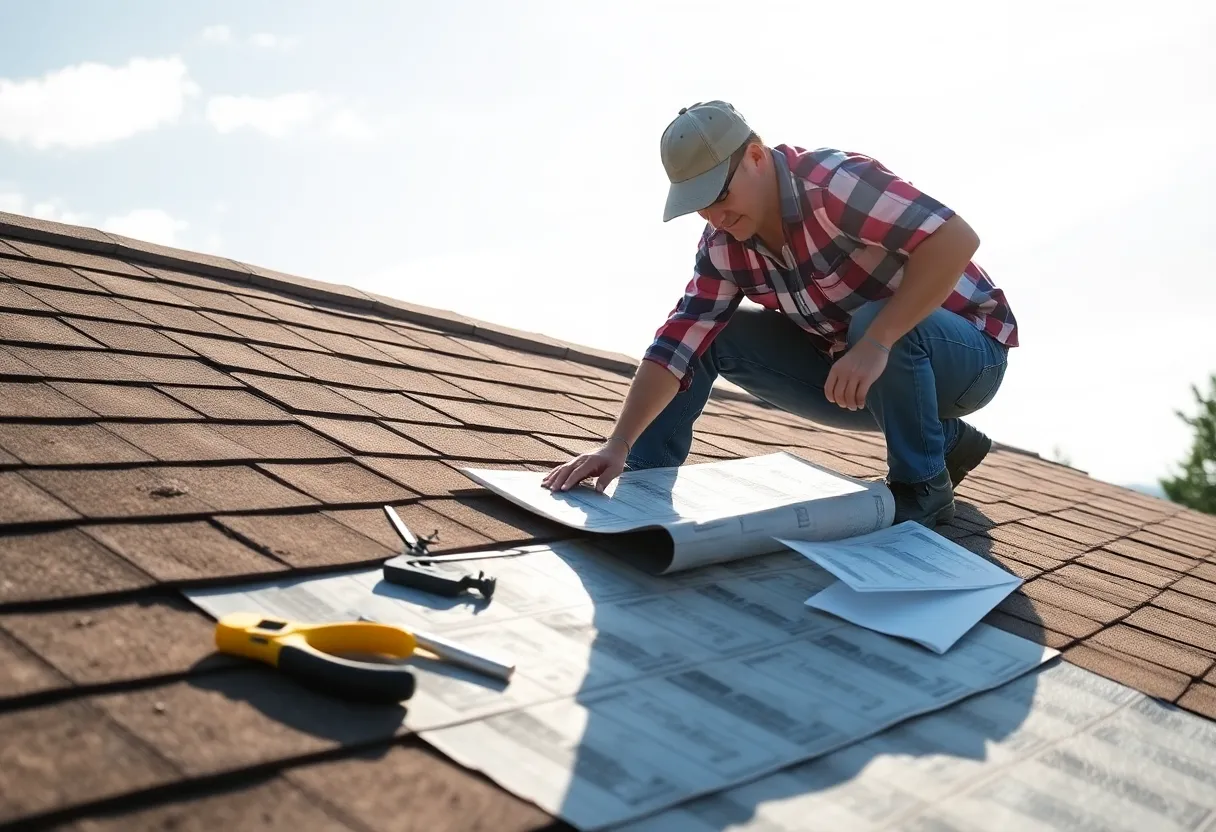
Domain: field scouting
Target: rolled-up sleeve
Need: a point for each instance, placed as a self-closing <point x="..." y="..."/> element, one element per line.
<point x="707" y="304"/>
<point x="870" y="204"/>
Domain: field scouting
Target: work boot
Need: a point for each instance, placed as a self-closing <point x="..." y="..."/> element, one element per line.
<point x="928" y="503"/>
<point x="969" y="451"/>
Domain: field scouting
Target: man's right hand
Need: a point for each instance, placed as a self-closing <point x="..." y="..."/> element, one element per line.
<point x="607" y="462"/>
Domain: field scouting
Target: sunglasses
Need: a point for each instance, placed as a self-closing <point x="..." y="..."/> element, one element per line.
<point x="735" y="160"/>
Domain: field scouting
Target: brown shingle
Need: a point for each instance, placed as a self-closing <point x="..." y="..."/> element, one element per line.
<point x="1006" y="554"/>
<point x="21" y="672"/>
<point x="339" y="482"/>
<point x="17" y="328"/>
<point x="303" y="396"/>
<point x="51" y="444"/>
<point x="405" y="380"/>
<point x="993" y="514"/>
<point x="61" y="564"/>
<point x="1037" y="541"/>
<point x="1136" y="570"/>
<point x="182" y="551"/>
<point x="1175" y="627"/>
<point x="179" y="441"/>
<point x="176" y="371"/>
<point x="225" y="404"/>
<point x="75" y="365"/>
<point x="342" y="344"/>
<point x="1161" y="651"/>
<point x="135" y="289"/>
<point x="395" y="406"/>
<point x="86" y="305"/>
<point x="1172" y="544"/>
<point x="58" y="277"/>
<point x="33" y="400"/>
<point x="82" y="259"/>
<point x="458" y="443"/>
<point x="1125" y="510"/>
<point x="108" y="643"/>
<point x="1200" y="698"/>
<point x="365" y="437"/>
<point x="216" y="301"/>
<point x="371" y="522"/>
<point x="328" y="368"/>
<point x="67" y="754"/>
<point x="1194" y="586"/>
<point x="1084" y="536"/>
<point x="1066" y="598"/>
<point x="260" y="331"/>
<point x="306" y="540"/>
<point x="1038" y="503"/>
<point x="125" y="401"/>
<point x="428" y="477"/>
<point x="24" y="502"/>
<point x="475" y="415"/>
<point x="497" y="519"/>
<point x="522" y="446"/>
<point x="1188" y="605"/>
<point x="13" y="296"/>
<point x="256" y="803"/>
<point x="165" y="491"/>
<point x="1150" y="554"/>
<point x="414" y="788"/>
<point x="175" y="317"/>
<point x="280" y="441"/>
<point x="1095" y="521"/>
<point x="1121" y="591"/>
<point x="1054" y="618"/>
<point x="132" y="337"/>
<point x="1132" y="671"/>
<point x="229" y="353"/>
<point x="224" y="721"/>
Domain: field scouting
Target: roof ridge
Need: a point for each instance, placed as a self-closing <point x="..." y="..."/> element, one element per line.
<point x="95" y="241"/>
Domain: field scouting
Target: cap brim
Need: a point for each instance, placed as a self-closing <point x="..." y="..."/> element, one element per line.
<point x="692" y="195"/>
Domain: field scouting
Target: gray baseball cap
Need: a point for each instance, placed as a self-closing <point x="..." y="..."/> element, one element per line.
<point x="696" y="149"/>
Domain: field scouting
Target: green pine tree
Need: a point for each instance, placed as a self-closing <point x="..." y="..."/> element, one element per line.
<point x="1195" y="485"/>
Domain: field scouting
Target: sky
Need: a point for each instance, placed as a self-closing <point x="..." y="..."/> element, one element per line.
<point x="501" y="160"/>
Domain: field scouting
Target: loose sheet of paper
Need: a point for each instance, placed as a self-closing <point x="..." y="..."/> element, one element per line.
<point x="634" y="693"/>
<point x="908" y="581"/>
<point x="1054" y="751"/>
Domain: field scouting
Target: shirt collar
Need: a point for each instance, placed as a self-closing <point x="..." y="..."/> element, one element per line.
<point x="791" y="205"/>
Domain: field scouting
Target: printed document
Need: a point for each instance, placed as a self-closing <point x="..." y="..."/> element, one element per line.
<point x="908" y="581"/>
<point x="634" y="693"/>
<point x="710" y="512"/>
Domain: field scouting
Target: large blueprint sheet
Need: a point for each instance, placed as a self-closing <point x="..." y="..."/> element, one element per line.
<point x="636" y="692"/>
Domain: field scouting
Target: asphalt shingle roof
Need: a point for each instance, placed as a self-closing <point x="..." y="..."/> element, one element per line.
<point x="170" y="419"/>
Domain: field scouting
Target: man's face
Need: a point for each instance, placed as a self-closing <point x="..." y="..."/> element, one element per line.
<point x="738" y="209"/>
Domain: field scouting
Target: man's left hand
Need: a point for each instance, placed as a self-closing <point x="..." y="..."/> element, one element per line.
<point x="851" y="376"/>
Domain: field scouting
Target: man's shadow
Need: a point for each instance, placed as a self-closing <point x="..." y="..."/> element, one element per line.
<point x="709" y="702"/>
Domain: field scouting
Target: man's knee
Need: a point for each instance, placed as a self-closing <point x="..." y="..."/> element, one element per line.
<point x="862" y="318"/>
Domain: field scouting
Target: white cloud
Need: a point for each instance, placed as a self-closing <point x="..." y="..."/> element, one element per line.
<point x="275" y="116"/>
<point x="217" y="34"/>
<point x="266" y="40"/>
<point x="90" y="104"/>
<point x="148" y="224"/>
<point x="281" y="115"/>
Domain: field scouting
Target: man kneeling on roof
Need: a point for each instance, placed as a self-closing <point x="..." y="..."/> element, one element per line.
<point x="869" y="312"/>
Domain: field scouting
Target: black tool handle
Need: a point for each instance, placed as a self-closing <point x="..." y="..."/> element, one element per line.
<point x="364" y="681"/>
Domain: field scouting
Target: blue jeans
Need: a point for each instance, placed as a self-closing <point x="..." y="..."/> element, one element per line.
<point x="942" y="370"/>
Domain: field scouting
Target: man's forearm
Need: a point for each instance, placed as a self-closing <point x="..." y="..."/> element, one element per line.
<point x="929" y="276"/>
<point x="652" y="388"/>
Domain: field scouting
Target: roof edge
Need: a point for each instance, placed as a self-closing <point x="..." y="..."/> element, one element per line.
<point x="95" y="241"/>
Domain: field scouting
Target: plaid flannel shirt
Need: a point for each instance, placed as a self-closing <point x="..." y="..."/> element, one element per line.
<point x="851" y="225"/>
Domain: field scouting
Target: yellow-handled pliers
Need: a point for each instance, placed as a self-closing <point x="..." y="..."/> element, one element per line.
<point x="313" y="653"/>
